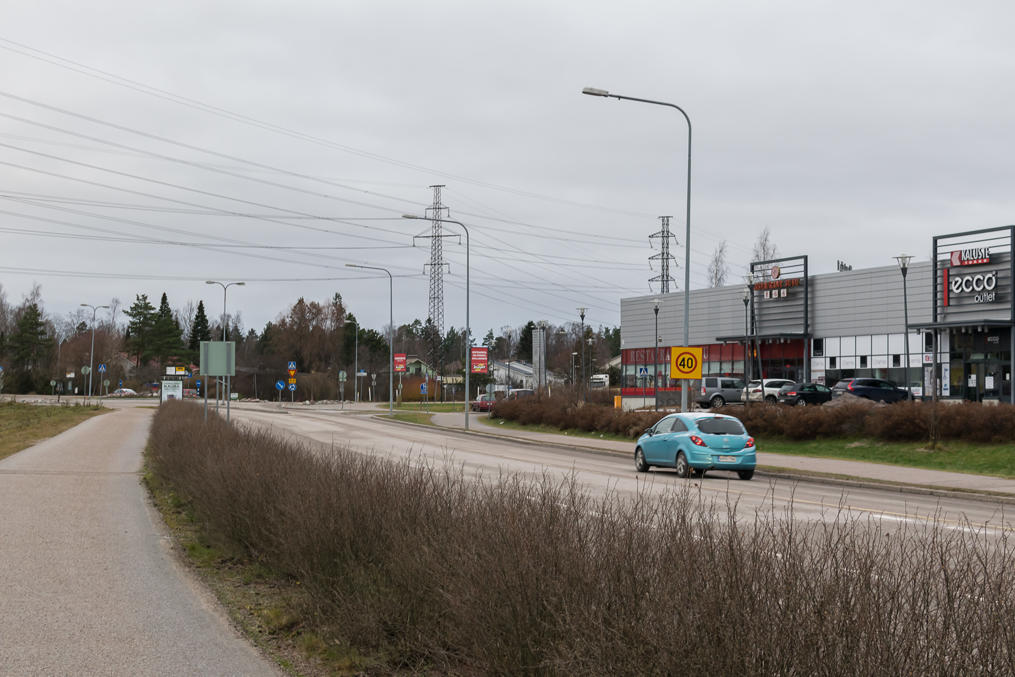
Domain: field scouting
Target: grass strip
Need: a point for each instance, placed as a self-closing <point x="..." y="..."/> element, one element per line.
<point x="996" y="460"/>
<point x="413" y="417"/>
<point x="22" y="425"/>
<point x="435" y="407"/>
<point x="542" y="428"/>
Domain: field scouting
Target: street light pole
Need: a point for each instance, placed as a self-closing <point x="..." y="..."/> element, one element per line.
<point x="904" y="260"/>
<point x="655" y="356"/>
<point x="391" y="333"/>
<point x="468" y="328"/>
<point x="581" y="314"/>
<point x="227" y="382"/>
<point x="747" y="377"/>
<point x="91" y="352"/>
<point x="592" y="91"/>
<point x="573" y="356"/>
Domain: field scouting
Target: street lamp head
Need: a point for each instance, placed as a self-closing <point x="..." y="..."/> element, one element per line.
<point x="240" y="284"/>
<point x="749" y="279"/>
<point x="411" y="216"/>
<point x="210" y="282"/>
<point x="655" y="304"/>
<point x="592" y="91"/>
<point x="903" y="260"/>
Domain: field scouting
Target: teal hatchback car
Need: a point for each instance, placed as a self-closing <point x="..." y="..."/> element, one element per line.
<point x="692" y="444"/>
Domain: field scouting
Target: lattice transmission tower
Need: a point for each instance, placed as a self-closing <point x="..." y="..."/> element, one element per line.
<point x="436" y="308"/>
<point x="664" y="257"/>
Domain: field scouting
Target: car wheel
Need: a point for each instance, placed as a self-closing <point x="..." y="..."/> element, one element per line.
<point x="745" y="474"/>
<point x="770" y="399"/>
<point x="639" y="460"/>
<point x="801" y="402"/>
<point x="681" y="465"/>
<point x="717" y="401"/>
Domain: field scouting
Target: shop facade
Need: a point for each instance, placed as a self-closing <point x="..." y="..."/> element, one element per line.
<point x="789" y="324"/>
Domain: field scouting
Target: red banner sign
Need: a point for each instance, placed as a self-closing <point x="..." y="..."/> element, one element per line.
<point x="480" y="360"/>
<point x="400" y="362"/>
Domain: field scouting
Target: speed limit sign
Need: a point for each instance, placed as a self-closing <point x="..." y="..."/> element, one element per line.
<point x="685" y="362"/>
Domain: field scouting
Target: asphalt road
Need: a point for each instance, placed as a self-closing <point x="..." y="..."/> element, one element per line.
<point x="88" y="581"/>
<point x="604" y="473"/>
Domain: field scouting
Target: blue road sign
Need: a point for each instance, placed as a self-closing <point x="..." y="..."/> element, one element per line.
<point x="198" y="383"/>
<point x="121" y="382"/>
<point x="292" y="365"/>
<point x="642" y="371"/>
<point x="422" y="388"/>
<point x="292" y="387"/>
<point x="279" y="385"/>
<point x="102" y="369"/>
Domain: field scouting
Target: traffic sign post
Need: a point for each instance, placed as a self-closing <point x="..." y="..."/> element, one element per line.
<point x="685" y="363"/>
<point x="279" y="386"/>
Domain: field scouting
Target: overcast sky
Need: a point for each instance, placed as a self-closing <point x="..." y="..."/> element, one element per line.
<point x="177" y="131"/>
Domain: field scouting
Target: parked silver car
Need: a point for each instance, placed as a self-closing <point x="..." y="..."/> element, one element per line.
<point x="716" y="391"/>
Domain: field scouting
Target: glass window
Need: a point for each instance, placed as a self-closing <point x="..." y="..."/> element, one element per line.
<point x="678" y="426"/>
<point x="818" y="347"/>
<point x="721" y="426"/>
<point x="664" y="425"/>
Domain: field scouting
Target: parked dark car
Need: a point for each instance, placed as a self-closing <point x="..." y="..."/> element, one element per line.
<point x="801" y="394"/>
<point x="875" y="389"/>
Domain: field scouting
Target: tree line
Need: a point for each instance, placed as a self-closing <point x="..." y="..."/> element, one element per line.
<point x="136" y="343"/>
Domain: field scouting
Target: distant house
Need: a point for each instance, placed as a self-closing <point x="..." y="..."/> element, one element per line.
<point x="522" y="374"/>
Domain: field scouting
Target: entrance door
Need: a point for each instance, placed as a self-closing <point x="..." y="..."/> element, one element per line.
<point x="972" y="380"/>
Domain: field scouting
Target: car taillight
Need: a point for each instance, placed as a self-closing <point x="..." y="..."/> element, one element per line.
<point x="849" y="386"/>
<point x="750" y="443"/>
<point x="698" y="441"/>
<point x="792" y="393"/>
<point x="702" y="388"/>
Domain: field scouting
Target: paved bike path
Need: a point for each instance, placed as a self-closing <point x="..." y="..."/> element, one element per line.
<point x="88" y="580"/>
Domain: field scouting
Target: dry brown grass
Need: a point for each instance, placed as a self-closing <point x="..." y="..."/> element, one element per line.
<point x="22" y="425"/>
<point x="437" y="573"/>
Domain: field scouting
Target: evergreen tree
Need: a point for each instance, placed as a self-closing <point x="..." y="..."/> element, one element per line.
<point x="29" y="346"/>
<point x="489" y="341"/>
<point x="166" y="333"/>
<point x="200" y="329"/>
<point x="140" y="328"/>
<point x="524" y="350"/>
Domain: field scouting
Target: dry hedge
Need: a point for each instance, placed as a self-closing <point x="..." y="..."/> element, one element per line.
<point x="903" y="421"/>
<point x="431" y="572"/>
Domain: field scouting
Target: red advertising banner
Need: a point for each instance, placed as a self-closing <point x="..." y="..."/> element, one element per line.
<point x="480" y="360"/>
<point x="399" y="362"/>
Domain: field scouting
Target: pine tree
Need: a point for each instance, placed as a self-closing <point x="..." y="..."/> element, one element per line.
<point x="29" y="345"/>
<point x="142" y="322"/>
<point x="200" y="329"/>
<point x="166" y="334"/>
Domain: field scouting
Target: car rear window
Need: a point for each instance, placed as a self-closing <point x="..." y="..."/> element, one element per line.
<point x="720" y="426"/>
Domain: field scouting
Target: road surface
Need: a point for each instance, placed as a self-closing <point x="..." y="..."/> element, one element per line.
<point x="602" y="472"/>
<point x="89" y="584"/>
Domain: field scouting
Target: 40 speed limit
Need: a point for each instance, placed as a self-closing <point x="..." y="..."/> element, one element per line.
<point x="981" y="283"/>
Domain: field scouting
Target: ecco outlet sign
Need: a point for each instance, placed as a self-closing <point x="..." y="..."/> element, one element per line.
<point x="982" y="285"/>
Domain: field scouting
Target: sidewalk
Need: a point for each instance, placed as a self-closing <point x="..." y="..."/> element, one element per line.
<point x="782" y="465"/>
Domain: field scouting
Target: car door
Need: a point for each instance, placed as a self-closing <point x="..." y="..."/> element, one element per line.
<point x="673" y="441"/>
<point x="822" y="393"/>
<point x="806" y="392"/>
<point x="654" y="445"/>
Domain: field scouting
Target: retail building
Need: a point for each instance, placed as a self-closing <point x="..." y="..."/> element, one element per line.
<point x="830" y="326"/>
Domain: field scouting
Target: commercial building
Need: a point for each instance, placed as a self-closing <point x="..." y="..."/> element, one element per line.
<point x="791" y="324"/>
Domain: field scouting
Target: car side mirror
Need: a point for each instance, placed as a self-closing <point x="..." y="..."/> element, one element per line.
<point x="649" y="430"/>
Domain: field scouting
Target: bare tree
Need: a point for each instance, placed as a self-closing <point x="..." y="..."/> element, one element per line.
<point x="717" y="267"/>
<point x="764" y="248"/>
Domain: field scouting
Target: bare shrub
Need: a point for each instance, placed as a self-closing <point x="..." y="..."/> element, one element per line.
<point x="438" y="574"/>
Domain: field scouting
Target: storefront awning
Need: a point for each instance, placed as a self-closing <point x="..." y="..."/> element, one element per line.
<point x="739" y="338"/>
<point x="959" y="324"/>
